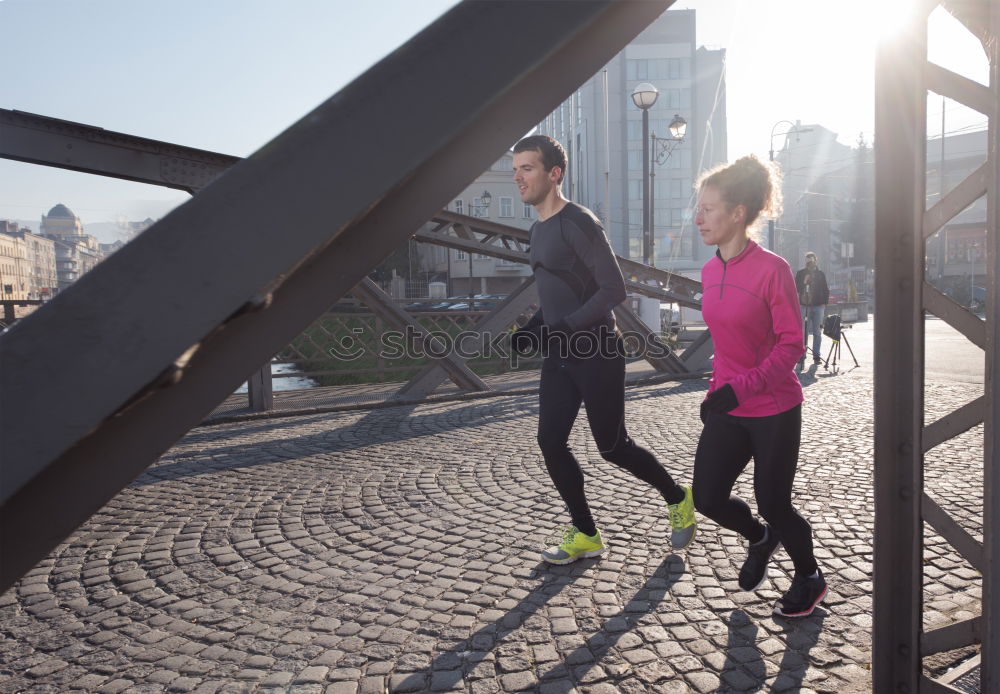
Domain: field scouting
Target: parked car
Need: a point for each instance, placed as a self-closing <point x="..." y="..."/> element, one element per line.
<point x="476" y="306"/>
<point x="420" y="305"/>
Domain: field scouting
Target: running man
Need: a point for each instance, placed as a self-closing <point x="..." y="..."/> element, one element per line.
<point x="579" y="283"/>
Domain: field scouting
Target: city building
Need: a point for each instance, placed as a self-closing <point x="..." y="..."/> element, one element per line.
<point x="14" y="283"/>
<point x="39" y="256"/>
<point x="109" y="248"/>
<point x="812" y="195"/>
<point x="601" y="128"/>
<point x="76" y="251"/>
<point x="956" y="255"/>
<point x="830" y="209"/>
<point x="834" y="216"/>
<point x="61" y="222"/>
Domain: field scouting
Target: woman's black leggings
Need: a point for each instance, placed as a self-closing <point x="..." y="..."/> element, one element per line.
<point x="599" y="383"/>
<point x="727" y="443"/>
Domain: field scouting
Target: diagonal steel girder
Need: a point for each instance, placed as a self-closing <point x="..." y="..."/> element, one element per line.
<point x="654" y="351"/>
<point x="141" y="349"/>
<point x="428" y="344"/>
<point x="508" y="243"/>
<point x="495" y="323"/>
<point x="35" y="139"/>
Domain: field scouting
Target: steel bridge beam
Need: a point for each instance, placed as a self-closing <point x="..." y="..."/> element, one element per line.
<point x="86" y="148"/>
<point x="899" y="376"/>
<point x="990" y="652"/>
<point x="494" y="323"/>
<point x="384" y="307"/>
<point x="903" y="77"/>
<point x="630" y="322"/>
<point x="63" y="144"/>
<point x="124" y="374"/>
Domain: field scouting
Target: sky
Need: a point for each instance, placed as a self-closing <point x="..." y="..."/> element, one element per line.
<point x="228" y="75"/>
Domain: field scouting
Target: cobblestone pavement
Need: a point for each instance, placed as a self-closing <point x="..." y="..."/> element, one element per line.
<point x="397" y="550"/>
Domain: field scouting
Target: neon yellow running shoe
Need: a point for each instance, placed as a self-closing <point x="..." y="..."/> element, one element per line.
<point x="682" y="521"/>
<point x="575" y="545"/>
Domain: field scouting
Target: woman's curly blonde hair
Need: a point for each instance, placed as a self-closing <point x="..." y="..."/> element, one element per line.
<point x="750" y="182"/>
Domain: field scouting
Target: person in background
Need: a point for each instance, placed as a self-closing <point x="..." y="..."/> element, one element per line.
<point x="754" y="403"/>
<point x="814" y="295"/>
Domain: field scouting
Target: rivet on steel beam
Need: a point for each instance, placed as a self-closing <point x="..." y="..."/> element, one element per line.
<point x="905" y="493"/>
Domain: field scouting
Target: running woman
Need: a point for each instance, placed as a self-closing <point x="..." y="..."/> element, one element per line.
<point x="754" y="403"/>
<point x="579" y="283"/>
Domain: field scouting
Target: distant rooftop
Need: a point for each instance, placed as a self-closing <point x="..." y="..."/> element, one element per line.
<point x="61" y="210"/>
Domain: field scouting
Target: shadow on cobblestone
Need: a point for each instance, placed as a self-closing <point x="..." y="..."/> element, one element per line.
<point x="599" y="645"/>
<point x="382" y="426"/>
<point x="814" y="374"/>
<point x="800" y="636"/>
<point x="448" y="669"/>
<point x="666" y="389"/>
<point x="745" y="669"/>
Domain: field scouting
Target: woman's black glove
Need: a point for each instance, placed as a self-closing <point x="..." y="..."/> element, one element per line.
<point x="719" y="401"/>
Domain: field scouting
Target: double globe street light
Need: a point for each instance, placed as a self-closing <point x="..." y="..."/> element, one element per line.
<point x="644" y="96"/>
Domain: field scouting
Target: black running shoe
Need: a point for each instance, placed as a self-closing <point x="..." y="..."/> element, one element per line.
<point x="754" y="571"/>
<point x="803" y="597"/>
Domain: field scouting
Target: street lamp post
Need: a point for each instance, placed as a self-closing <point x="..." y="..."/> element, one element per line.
<point x="644" y="96"/>
<point x="662" y="148"/>
<point x="484" y="204"/>
<point x="770" y="157"/>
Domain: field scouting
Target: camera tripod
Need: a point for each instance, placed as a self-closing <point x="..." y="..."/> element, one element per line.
<point x="835" y="350"/>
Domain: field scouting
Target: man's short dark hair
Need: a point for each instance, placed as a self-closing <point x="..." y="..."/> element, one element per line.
<point x="551" y="151"/>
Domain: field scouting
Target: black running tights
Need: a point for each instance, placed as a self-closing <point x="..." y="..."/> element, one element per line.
<point x="727" y="443"/>
<point x="598" y="383"/>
